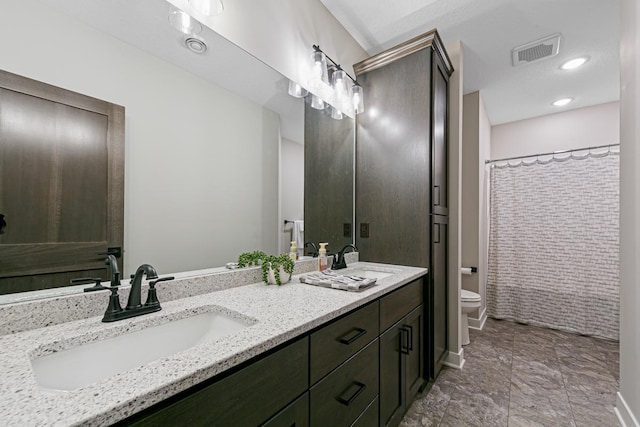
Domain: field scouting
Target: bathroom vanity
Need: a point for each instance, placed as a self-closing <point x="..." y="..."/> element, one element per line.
<point x="302" y="354"/>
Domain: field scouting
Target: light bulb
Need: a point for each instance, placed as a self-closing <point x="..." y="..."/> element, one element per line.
<point x="208" y="7"/>
<point x="184" y="23"/>
<point x="317" y="102"/>
<point x="574" y="63"/>
<point x="296" y="90"/>
<point x="562" y="102"/>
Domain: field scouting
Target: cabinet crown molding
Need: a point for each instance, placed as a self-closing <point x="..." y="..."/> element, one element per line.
<point x="429" y="39"/>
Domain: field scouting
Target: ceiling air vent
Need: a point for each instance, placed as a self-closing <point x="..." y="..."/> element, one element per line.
<point x="536" y="50"/>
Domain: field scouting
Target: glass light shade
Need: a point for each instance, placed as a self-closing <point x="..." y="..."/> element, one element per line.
<point x="357" y="98"/>
<point x="319" y="67"/>
<point x="317" y="102"/>
<point x="336" y="114"/>
<point x="296" y="90"/>
<point x="208" y="7"/>
<point x="184" y="23"/>
<point x="339" y="83"/>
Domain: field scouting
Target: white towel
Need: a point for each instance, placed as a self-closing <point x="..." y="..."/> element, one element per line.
<point x="298" y="235"/>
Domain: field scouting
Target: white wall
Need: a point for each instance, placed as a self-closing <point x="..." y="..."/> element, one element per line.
<point x="628" y="407"/>
<point x="201" y="182"/>
<point x="476" y="140"/>
<point x="291" y="188"/>
<point x="281" y="33"/>
<point x="579" y="128"/>
<point x="456" y="54"/>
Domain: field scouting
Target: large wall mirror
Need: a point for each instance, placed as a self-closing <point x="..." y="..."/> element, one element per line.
<point x="213" y="142"/>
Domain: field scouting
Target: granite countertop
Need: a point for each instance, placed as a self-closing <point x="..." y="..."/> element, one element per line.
<point x="276" y="314"/>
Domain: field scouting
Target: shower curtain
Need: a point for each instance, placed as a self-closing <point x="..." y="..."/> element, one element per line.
<point x="553" y="244"/>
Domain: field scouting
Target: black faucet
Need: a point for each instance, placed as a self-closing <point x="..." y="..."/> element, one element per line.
<point x="338" y="261"/>
<point x="111" y="261"/>
<point x="315" y="249"/>
<point x="134" y="304"/>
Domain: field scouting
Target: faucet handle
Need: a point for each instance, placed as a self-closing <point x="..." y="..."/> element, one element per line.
<point x="97" y="281"/>
<point x="152" y="296"/>
<point x="162" y="279"/>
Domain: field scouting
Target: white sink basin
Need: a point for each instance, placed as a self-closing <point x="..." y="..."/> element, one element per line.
<point x="88" y="363"/>
<point x="370" y="273"/>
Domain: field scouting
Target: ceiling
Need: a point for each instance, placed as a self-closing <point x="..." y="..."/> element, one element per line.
<point x="489" y="30"/>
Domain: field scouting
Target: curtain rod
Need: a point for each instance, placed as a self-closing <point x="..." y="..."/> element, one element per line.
<point x="552" y="153"/>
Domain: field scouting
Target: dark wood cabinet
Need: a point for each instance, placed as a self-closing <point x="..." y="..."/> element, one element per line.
<point x="336" y="342"/>
<point x="294" y="415"/>
<point x="248" y="397"/>
<point x="401" y="351"/>
<point x="401" y="170"/>
<point x="343" y="373"/>
<point x="339" y="398"/>
<point x="328" y="178"/>
<point x="437" y="296"/>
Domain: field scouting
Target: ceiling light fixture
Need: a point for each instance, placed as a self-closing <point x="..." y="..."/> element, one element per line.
<point x="574" y="63"/>
<point x="562" y="102"/>
<point x="184" y="23"/>
<point x="208" y="7"/>
<point x="330" y="85"/>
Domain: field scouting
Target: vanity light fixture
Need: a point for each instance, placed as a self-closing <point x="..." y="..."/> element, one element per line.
<point x="330" y="85"/>
<point x="184" y="23"/>
<point x="562" y="102"/>
<point x="208" y="7"/>
<point x="574" y="63"/>
<point x="296" y="90"/>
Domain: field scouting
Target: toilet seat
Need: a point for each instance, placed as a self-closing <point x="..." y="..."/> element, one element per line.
<point x="468" y="296"/>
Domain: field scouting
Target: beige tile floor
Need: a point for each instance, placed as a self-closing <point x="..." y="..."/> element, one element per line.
<point x="519" y="375"/>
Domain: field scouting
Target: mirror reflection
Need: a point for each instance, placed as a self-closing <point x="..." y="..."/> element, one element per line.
<point x="214" y="154"/>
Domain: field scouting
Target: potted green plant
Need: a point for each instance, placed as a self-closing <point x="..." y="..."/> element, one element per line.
<point x="275" y="269"/>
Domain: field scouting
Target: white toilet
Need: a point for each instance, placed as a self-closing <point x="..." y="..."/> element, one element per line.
<point x="469" y="302"/>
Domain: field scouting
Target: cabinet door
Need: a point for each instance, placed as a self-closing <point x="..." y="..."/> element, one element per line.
<point x="438" y="275"/>
<point x="392" y="384"/>
<point x="393" y="163"/>
<point x="414" y="359"/>
<point x="439" y="203"/>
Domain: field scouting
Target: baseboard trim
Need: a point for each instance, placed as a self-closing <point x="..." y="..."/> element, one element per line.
<point x="455" y="360"/>
<point x="478" y="323"/>
<point x="624" y="414"/>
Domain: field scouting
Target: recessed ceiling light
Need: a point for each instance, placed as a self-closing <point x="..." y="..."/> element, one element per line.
<point x="574" y="63"/>
<point x="562" y="102"/>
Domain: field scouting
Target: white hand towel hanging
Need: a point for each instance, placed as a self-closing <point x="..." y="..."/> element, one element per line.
<point x="298" y="235"/>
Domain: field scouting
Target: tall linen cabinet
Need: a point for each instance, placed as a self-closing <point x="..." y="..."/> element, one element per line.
<point x="401" y="171"/>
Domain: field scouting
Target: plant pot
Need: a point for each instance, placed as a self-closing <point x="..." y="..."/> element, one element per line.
<point x="284" y="277"/>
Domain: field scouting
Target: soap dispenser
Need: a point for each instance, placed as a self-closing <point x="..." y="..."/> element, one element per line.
<point x="322" y="257"/>
<point x="293" y="251"/>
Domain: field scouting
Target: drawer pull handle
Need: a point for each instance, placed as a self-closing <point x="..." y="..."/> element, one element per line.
<point x="352" y="392"/>
<point x="346" y="339"/>
<point x="404" y="334"/>
<point x="410" y="329"/>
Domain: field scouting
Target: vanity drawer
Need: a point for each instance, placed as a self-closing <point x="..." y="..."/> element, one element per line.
<point x="396" y="305"/>
<point x="369" y="417"/>
<point x="340" y="398"/>
<point x="247" y="397"/>
<point x="336" y="342"/>
<point x="294" y="415"/>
